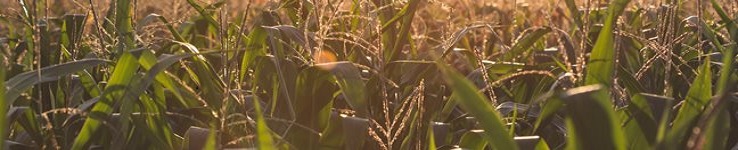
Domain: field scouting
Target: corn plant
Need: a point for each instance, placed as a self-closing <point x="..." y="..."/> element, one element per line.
<point x="368" y="74"/>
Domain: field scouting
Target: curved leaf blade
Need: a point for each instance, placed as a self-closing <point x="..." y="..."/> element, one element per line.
<point x="24" y="81"/>
<point x="591" y="121"/>
<point x="465" y="92"/>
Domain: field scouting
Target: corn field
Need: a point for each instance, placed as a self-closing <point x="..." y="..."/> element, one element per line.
<point x="369" y="74"/>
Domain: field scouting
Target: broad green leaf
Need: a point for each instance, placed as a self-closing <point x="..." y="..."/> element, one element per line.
<point x="152" y="128"/>
<point x="276" y="82"/>
<point x="148" y="61"/>
<point x="470" y="99"/>
<point x="724" y="83"/>
<point x="24" y="81"/>
<point x="89" y="83"/>
<point x="352" y="86"/>
<point x="697" y="99"/>
<point x="643" y="116"/>
<point x="389" y="34"/>
<point x="211" y="84"/>
<point x="549" y="110"/>
<point x="134" y="90"/>
<point x="634" y="129"/>
<point x="591" y="121"/>
<point x="602" y="60"/>
<point x="124" y="25"/>
<point x="263" y="134"/>
<point x="124" y="71"/>
<point x="715" y="114"/>
<point x="526" y="40"/>
<point x="255" y="47"/>
<point x="717" y="132"/>
<point x="473" y="140"/>
<point x="74" y="26"/>
<point x="316" y="89"/>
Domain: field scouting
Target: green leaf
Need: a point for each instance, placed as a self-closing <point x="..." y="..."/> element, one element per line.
<point x="352" y="86"/>
<point x="477" y="105"/>
<point x="316" y="89"/>
<point x="212" y="142"/>
<point x="717" y="132"/>
<point x="155" y="122"/>
<point x="697" y="98"/>
<point x="526" y="40"/>
<point x="255" y="47"/>
<point x="473" y="140"/>
<point x="602" y="60"/>
<point x="431" y="139"/>
<point x="149" y="61"/>
<point x="724" y="83"/>
<point x="125" y="70"/>
<point x="263" y="134"/>
<point x="207" y="14"/>
<point x="591" y="120"/>
<point x="550" y="108"/>
<point x="205" y="76"/>
<point x="89" y="83"/>
<point x="24" y="81"/>
<point x="403" y="36"/>
<point x="639" y="135"/>
<point x="542" y="145"/>
<point x="644" y="113"/>
<point x="277" y="82"/>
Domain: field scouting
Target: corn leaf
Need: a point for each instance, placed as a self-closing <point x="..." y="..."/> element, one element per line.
<point x="125" y="69"/>
<point x="24" y="81"/>
<point x="697" y="98"/>
<point x="472" y="140"/>
<point x="602" y="60"/>
<point x="467" y="96"/>
<point x="263" y="134"/>
<point x="591" y="119"/>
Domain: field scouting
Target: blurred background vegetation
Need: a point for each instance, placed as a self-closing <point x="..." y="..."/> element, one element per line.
<point x="368" y="74"/>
